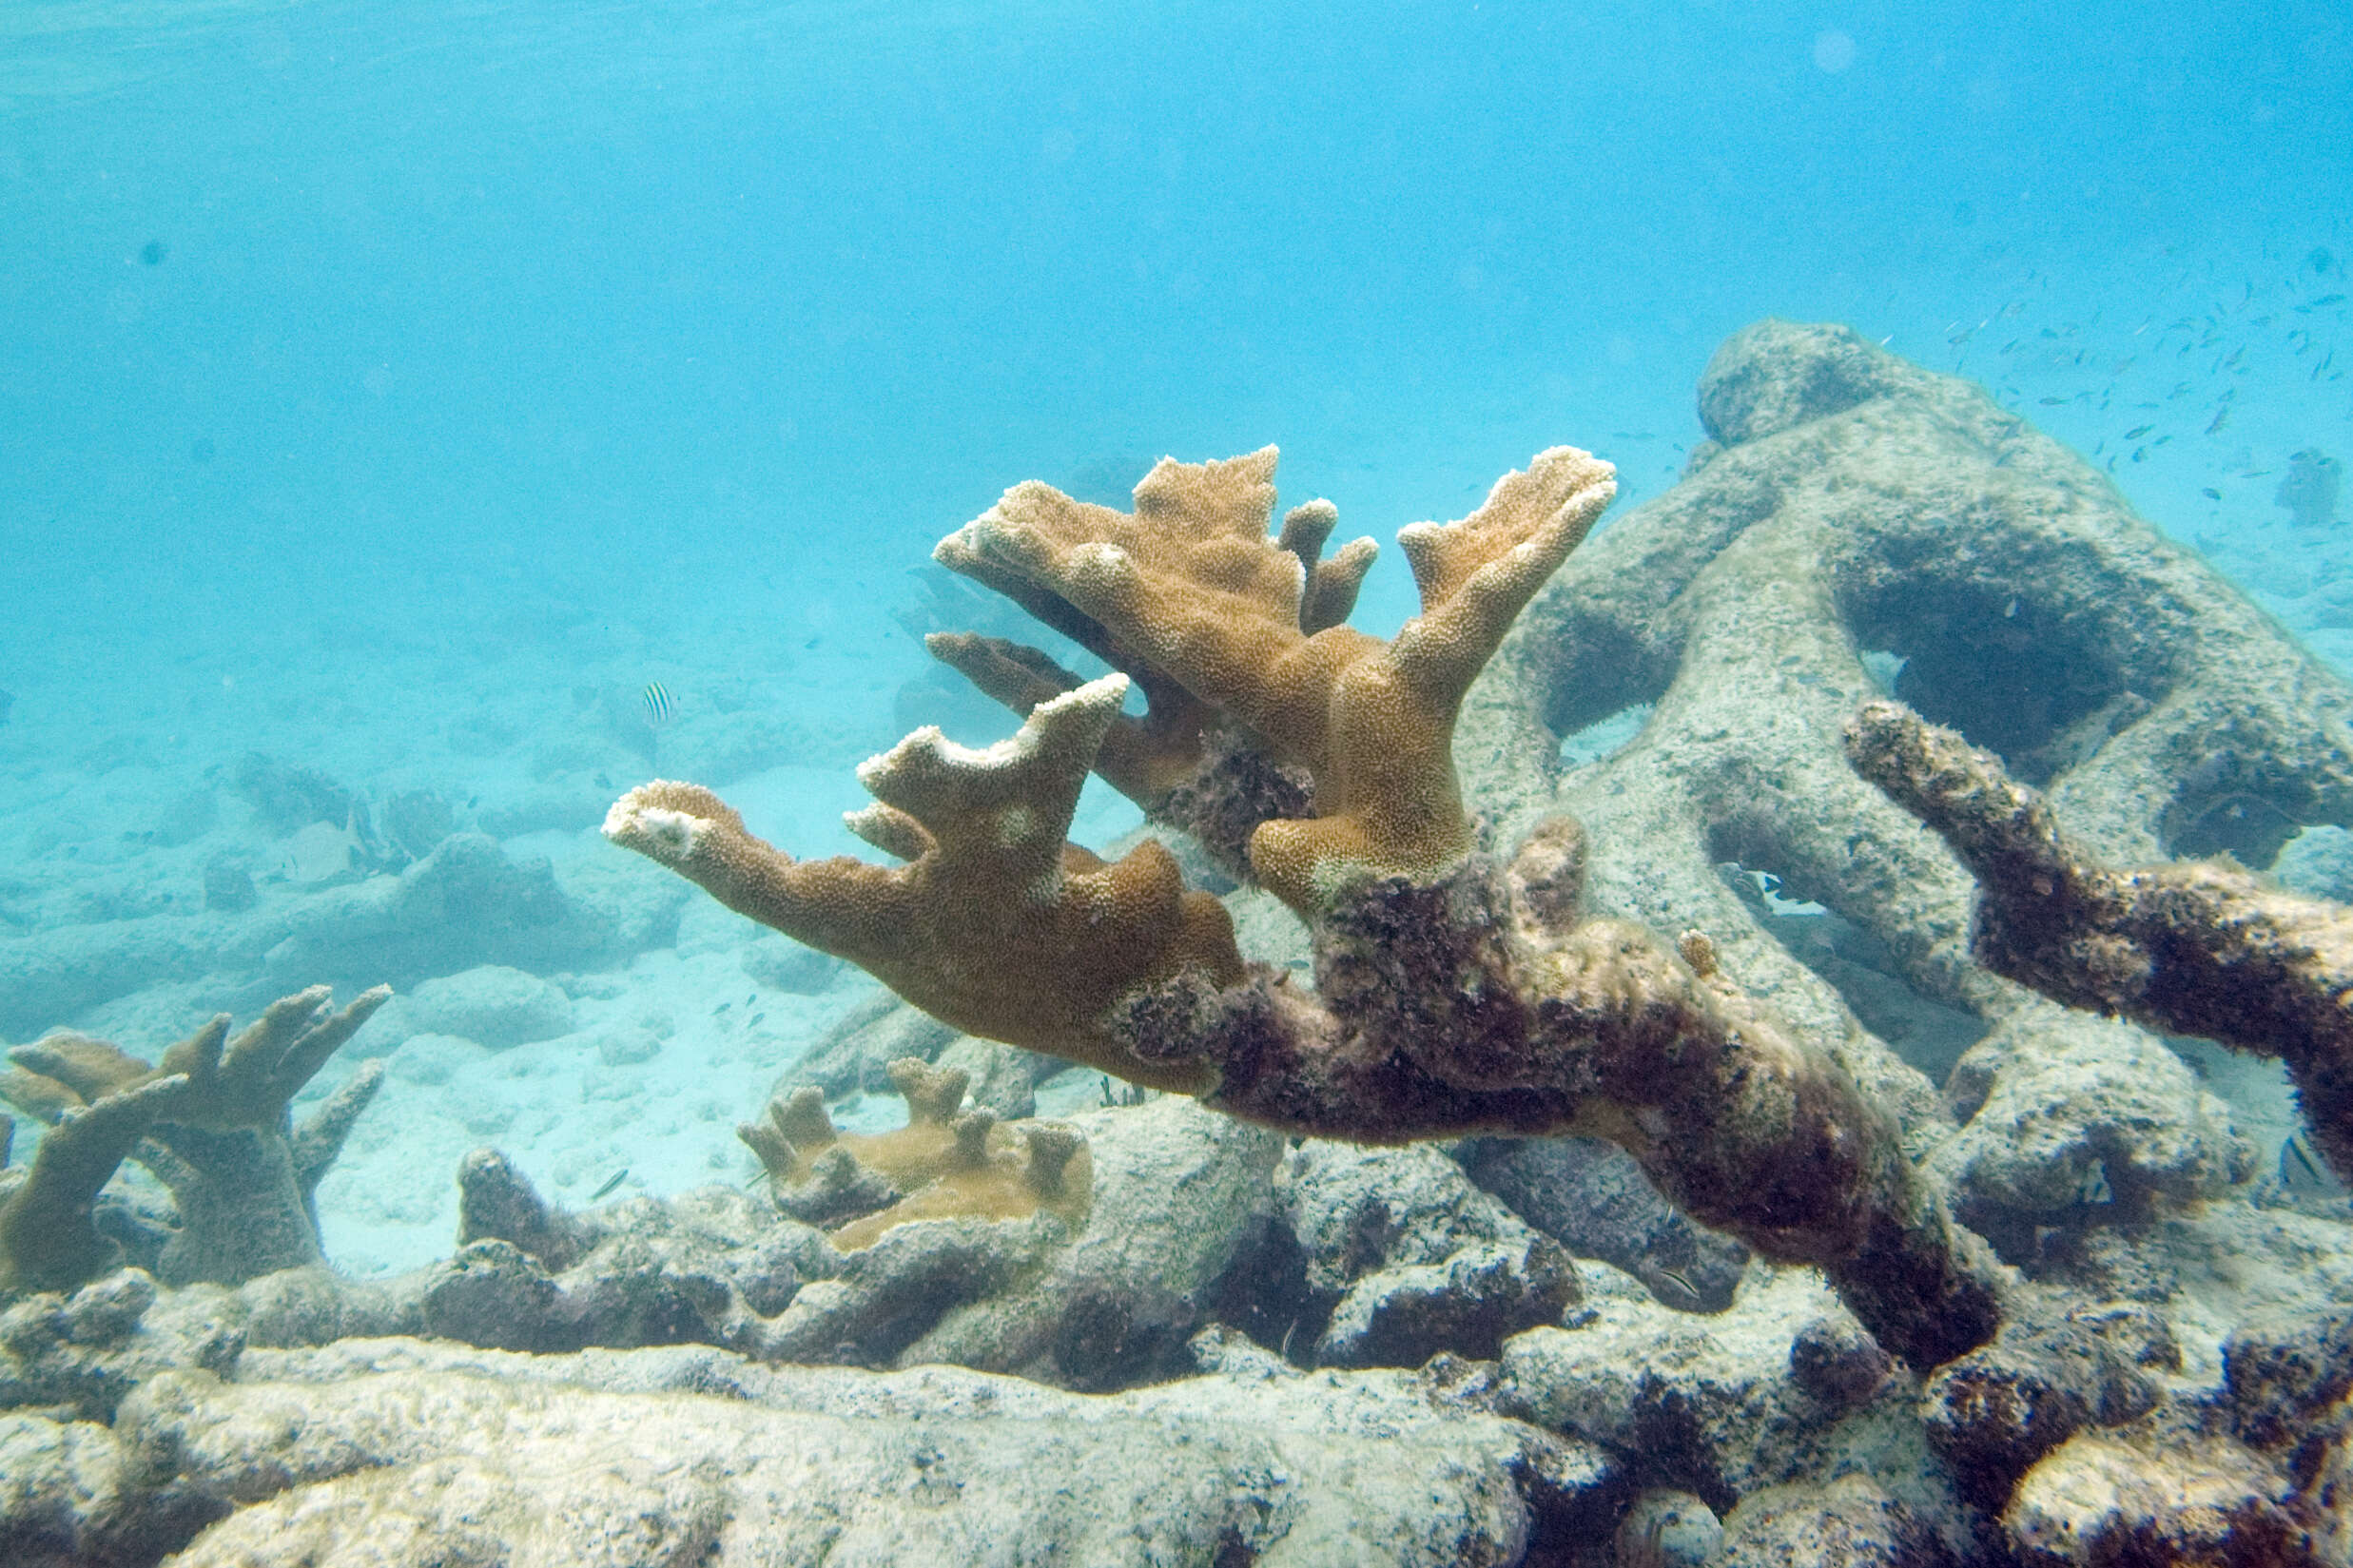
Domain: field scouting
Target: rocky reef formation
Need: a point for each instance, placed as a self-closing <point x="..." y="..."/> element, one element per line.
<point x="1303" y="1290"/>
<point x="465" y="902"/>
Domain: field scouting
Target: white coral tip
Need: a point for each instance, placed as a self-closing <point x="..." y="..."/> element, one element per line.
<point x="655" y="830"/>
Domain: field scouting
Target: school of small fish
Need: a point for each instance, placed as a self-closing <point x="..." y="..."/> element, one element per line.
<point x="2177" y="373"/>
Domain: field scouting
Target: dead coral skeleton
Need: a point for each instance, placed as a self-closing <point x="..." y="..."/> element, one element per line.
<point x="1455" y="993"/>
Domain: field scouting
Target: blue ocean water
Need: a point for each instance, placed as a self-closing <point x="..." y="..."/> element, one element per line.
<point x="393" y="389"/>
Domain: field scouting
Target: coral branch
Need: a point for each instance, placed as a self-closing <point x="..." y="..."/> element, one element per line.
<point x="996" y="925"/>
<point x="1469" y="1005"/>
<point x="1330" y="594"/>
<point x="1452" y="995"/>
<point x="2192" y="948"/>
<point x="317" y="1141"/>
<point x="1387" y="799"/>
<point x="1142" y="759"/>
<point x="249" y="1081"/>
<point x="1192" y="586"/>
<point x="48" y="1240"/>
<point x="220" y="1135"/>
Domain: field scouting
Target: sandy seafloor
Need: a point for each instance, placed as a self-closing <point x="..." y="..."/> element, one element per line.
<point x="489" y="682"/>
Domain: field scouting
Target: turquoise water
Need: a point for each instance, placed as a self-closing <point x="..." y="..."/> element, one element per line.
<point x="424" y="420"/>
<point x="394" y="389"/>
<point x="623" y="300"/>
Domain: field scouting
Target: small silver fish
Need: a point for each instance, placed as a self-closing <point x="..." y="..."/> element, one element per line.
<point x="659" y="709"/>
<point x="1681" y="1284"/>
<point x="611" y="1182"/>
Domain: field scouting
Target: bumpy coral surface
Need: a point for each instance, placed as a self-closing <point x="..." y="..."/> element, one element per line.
<point x="214" y="1111"/>
<point x="946" y="1161"/>
<point x="1454" y="994"/>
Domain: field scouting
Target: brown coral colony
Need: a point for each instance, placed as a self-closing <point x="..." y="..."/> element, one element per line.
<point x="1455" y="994"/>
<point x="945" y="1161"/>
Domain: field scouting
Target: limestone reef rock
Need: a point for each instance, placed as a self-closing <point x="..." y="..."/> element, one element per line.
<point x="1405" y="1258"/>
<point x="1589" y="1195"/>
<point x="1679" y="1106"/>
<point x="464" y="903"/>
<point x="2073" y="1117"/>
<point x="430" y="1454"/>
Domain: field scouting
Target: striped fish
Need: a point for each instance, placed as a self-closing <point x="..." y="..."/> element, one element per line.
<point x="659" y="710"/>
<point x="2298" y="1169"/>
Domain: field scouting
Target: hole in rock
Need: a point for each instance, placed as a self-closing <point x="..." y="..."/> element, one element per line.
<point x="2246" y="807"/>
<point x="2246" y="827"/>
<point x="1604" y="738"/>
<point x="1596" y="673"/>
<point x="2012" y="675"/>
<point x="1927" y="1034"/>
<point x="2318" y="863"/>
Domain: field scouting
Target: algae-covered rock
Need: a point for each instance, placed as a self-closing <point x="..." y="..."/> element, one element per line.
<point x="2084" y="1121"/>
<point x="1594" y="1199"/>
<point x="664" y="1457"/>
<point x="2097" y="1500"/>
<point x="1850" y="1522"/>
<point x="1705" y="1405"/>
<point x="1412" y="1258"/>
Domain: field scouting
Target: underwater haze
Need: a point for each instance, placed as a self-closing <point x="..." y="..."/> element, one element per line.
<point x="422" y="422"/>
<point x="612" y="293"/>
